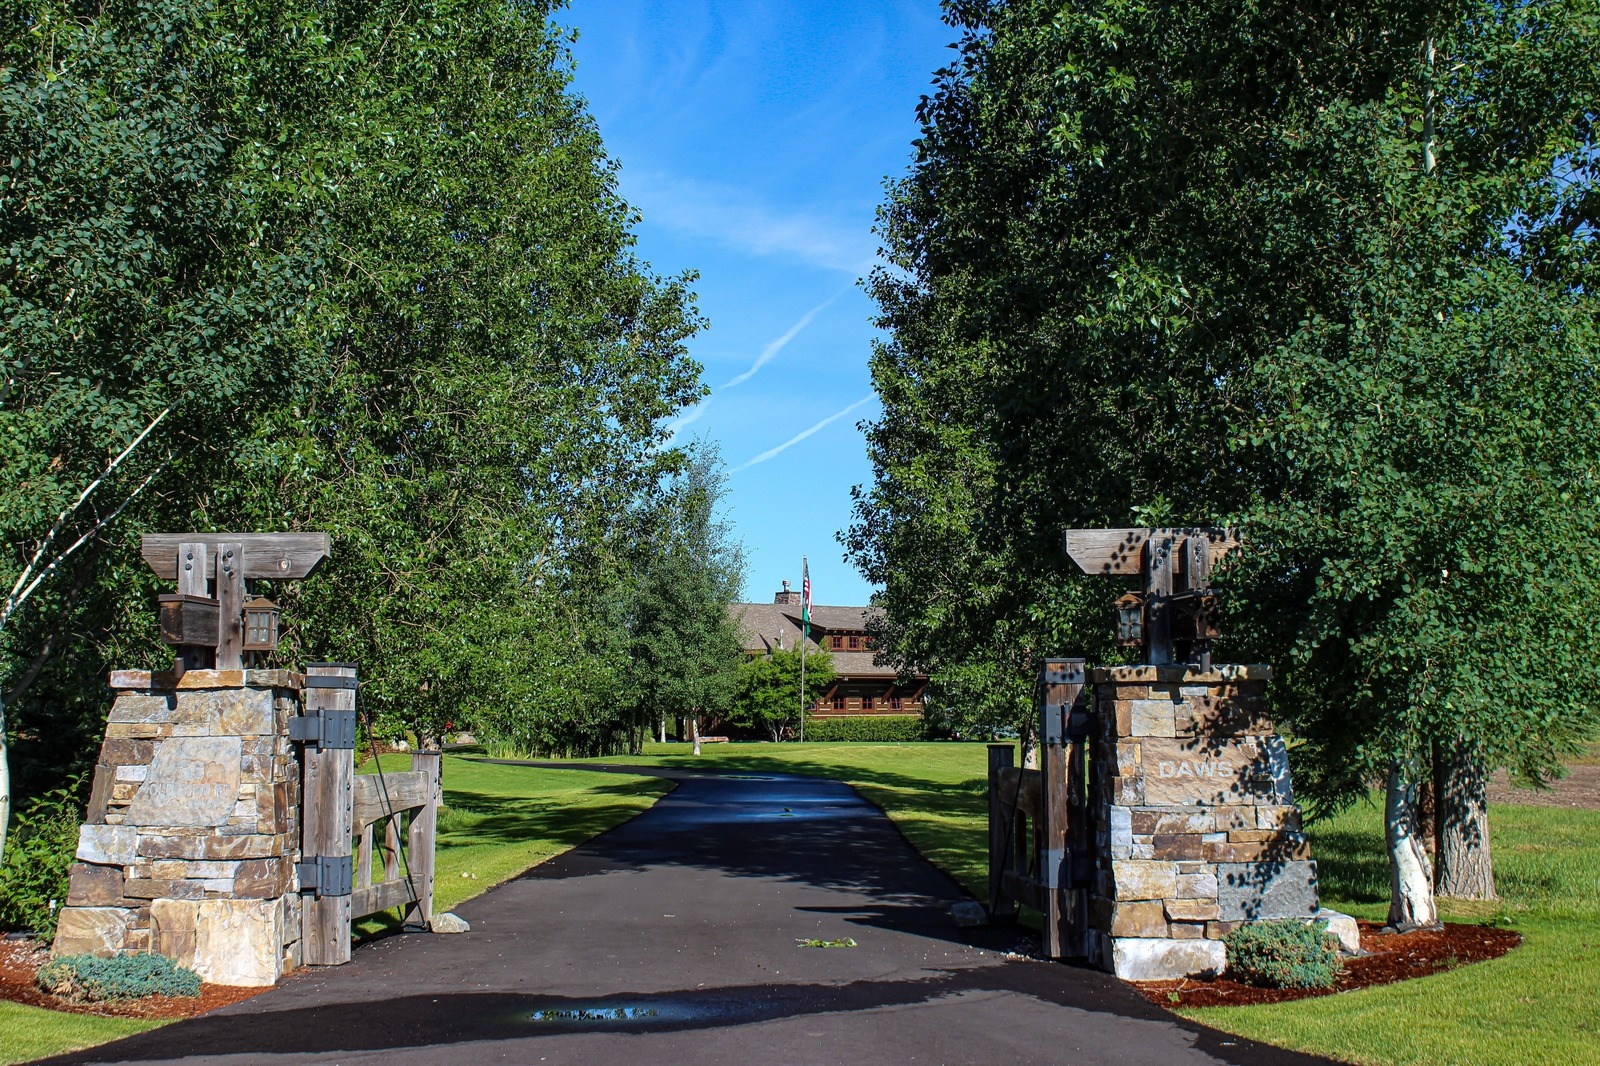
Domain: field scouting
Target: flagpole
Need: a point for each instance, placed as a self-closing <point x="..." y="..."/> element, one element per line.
<point x="805" y="636"/>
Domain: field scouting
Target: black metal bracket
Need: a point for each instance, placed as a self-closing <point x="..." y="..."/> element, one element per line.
<point x="330" y="681"/>
<point x="325" y="729"/>
<point x="326" y="875"/>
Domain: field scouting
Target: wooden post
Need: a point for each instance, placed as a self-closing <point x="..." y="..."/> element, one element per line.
<point x="230" y="606"/>
<point x="327" y="823"/>
<point x="423" y="839"/>
<point x="1001" y="827"/>
<point x="1158" y="612"/>
<point x="193" y="572"/>
<point x="1061" y="682"/>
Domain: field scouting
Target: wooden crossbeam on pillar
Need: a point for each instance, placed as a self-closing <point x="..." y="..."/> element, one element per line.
<point x="327" y="823"/>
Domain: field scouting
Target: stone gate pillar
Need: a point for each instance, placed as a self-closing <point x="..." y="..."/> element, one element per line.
<point x="193" y="827"/>
<point x="1199" y="828"/>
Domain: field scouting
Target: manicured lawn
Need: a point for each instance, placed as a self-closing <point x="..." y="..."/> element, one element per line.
<point x="33" y="1032"/>
<point x="1535" y="1005"/>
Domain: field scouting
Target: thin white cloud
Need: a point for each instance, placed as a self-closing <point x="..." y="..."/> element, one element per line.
<point x="693" y="415"/>
<point x="778" y="345"/>
<point x="737" y="219"/>
<point x="802" y="435"/>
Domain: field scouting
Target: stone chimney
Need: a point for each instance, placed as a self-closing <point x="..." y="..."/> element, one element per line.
<point x="787" y="597"/>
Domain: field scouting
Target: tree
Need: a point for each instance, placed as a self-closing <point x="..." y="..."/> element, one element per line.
<point x="684" y="647"/>
<point x="143" y="309"/>
<point x="1185" y="265"/>
<point x="769" y="688"/>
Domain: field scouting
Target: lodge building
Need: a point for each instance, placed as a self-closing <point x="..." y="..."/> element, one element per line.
<point x="860" y="686"/>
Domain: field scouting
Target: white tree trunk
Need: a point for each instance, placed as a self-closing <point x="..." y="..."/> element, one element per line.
<point x="5" y="783"/>
<point x="1411" y="903"/>
<point x="694" y="730"/>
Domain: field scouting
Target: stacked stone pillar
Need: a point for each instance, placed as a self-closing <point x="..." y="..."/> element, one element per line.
<point x="1198" y="827"/>
<point x="193" y="827"/>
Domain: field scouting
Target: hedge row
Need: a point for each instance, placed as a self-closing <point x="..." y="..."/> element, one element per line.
<point x="879" y="728"/>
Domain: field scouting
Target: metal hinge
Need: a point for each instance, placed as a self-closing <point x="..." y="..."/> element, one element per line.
<point x="324" y="729"/>
<point x="326" y="875"/>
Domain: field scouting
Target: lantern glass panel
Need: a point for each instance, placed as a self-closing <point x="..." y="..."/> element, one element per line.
<point x="261" y="625"/>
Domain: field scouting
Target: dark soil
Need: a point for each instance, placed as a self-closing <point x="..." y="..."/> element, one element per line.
<point x="1579" y="790"/>
<point x="1391" y="957"/>
<point x="20" y="958"/>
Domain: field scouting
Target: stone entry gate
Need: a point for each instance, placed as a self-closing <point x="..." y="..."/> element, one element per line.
<point x="227" y="828"/>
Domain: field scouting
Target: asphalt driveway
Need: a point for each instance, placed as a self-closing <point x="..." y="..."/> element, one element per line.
<point x="679" y="938"/>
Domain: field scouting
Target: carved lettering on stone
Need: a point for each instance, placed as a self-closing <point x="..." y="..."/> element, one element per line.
<point x="192" y="781"/>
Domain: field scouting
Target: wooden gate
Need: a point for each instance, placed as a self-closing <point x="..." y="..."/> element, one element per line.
<point x="342" y="817"/>
<point x="1040" y="835"/>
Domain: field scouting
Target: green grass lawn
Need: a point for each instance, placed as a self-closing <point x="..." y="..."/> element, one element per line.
<point x="1535" y="1005"/>
<point x="33" y="1032"/>
<point x="497" y="822"/>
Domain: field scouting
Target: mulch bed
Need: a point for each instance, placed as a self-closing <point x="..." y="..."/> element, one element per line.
<point x="20" y="958"/>
<point x="1392" y="957"/>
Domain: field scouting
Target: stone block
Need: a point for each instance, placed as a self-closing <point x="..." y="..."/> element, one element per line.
<point x="1278" y="816"/>
<point x="1220" y="930"/>
<point x="127" y="752"/>
<point x="194" y="781"/>
<point x="156" y="845"/>
<point x="1227" y="819"/>
<point x="1136" y="879"/>
<point x="93" y="886"/>
<point x="1260" y="891"/>
<point x="136" y="709"/>
<point x="1197" y="886"/>
<point x="1164" y="959"/>
<point x="136" y="730"/>
<point x="100" y="793"/>
<point x="1142" y="919"/>
<point x="1204" y="772"/>
<point x="132" y="774"/>
<point x="1192" y="910"/>
<point x="150" y="888"/>
<point x="1152" y="718"/>
<point x="1184" y="820"/>
<point x="239" y="941"/>
<point x="1250" y="836"/>
<point x="1178" y="846"/>
<point x="1282" y="847"/>
<point x="262" y="878"/>
<point x="101" y="931"/>
<point x="173" y="929"/>
<point x="1186" y="930"/>
<point x="107" y="845"/>
<point x="244" y="712"/>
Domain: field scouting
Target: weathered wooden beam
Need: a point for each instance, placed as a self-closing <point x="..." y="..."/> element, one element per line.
<point x="325" y="821"/>
<point x="230" y="605"/>
<point x="1001" y="758"/>
<point x="1022" y="789"/>
<point x="1121" y="551"/>
<point x="1060" y="682"/>
<point x="266" y="555"/>
<point x="423" y="836"/>
<point x="380" y="897"/>
<point x="1024" y="890"/>
<point x="407" y="790"/>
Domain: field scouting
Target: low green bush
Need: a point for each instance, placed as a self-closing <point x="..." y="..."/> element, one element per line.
<point x="87" y="979"/>
<point x="1283" y="954"/>
<point x="878" y="728"/>
<point x="39" y="849"/>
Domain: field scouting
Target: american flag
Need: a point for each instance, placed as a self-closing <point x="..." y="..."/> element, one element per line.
<point x="805" y="596"/>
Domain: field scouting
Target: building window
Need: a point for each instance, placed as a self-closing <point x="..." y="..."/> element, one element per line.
<point x="866" y="703"/>
<point x="838" y="643"/>
<point x="896" y="703"/>
<point x="838" y="703"/>
<point x="855" y="643"/>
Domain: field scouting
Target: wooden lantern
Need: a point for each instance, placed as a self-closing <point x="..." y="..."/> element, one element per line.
<point x="261" y="624"/>
<point x="1196" y="616"/>
<point x="1130" y="620"/>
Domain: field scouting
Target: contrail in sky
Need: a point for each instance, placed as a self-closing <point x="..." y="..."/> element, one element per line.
<point x="694" y="413"/>
<point x="778" y="345"/>
<point x="802" y="435"/>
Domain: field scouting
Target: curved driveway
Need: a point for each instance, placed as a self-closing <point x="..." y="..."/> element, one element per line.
<point x="675" y="938"/>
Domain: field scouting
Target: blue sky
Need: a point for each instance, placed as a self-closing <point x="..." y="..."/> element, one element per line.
<point x="754" y="139"/>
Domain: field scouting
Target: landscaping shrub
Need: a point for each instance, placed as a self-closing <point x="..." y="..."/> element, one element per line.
<point x="1283" y="954"/>
<point x="880" y="728"/>
<point x="39" y="849"/>
<point x="87" y="979"/>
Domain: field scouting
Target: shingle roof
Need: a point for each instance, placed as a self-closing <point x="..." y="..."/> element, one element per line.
<point x="765" y="625"/>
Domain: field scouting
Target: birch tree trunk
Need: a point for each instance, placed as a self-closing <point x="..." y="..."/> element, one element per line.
<point x="1465" y="867"/>
<point x="694" y="730"/>
<point x="1411" y="903"/>
<point x="5" y="782"/>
